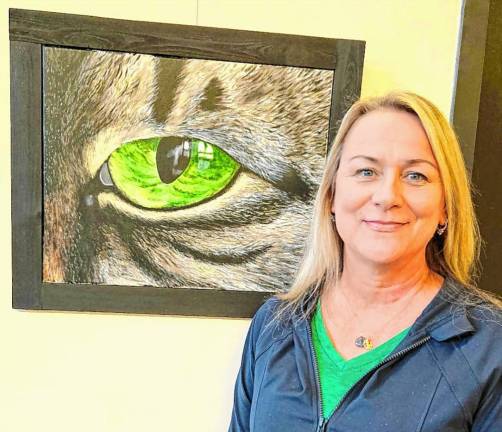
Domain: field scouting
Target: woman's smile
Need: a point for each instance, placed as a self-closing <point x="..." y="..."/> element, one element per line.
<point x="384" y="226"/>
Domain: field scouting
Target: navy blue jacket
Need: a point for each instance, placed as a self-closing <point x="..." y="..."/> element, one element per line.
<point x="446" y="375"/>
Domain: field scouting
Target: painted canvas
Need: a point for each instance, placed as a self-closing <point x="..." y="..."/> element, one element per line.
<point x="178" y="173"/>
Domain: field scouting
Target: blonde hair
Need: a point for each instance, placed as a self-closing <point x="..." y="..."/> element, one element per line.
<point x="455" y="254"/>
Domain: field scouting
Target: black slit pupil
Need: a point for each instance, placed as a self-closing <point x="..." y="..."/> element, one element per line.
<point x="173" y="155"/>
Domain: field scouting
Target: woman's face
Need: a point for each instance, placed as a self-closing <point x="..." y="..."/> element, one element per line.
<point x="388" y="195"/>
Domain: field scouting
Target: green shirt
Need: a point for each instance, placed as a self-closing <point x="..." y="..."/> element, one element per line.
<point x="338" y="375"/>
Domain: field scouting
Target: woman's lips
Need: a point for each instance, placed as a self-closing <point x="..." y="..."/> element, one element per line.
<point x="383" y="226"/>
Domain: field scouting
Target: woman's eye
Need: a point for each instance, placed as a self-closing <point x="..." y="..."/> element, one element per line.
<point x="365" y="172"/>
<point x="416" y="176"/>
<point x="170" y="172"/>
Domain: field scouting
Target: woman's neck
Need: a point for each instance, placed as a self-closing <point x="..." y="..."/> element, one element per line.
<point x="381" y="285"/>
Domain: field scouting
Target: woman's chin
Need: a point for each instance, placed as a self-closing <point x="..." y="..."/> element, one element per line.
<point x="382" y="255"/>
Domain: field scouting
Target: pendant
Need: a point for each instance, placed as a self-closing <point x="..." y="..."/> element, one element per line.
<point x="364" y="342"/>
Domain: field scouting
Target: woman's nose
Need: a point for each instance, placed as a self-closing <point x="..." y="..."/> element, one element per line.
<point x="388" y="192"/>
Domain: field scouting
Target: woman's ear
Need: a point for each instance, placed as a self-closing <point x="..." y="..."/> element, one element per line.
<point x="444" y="217"/>
<point x="332" y="204"/>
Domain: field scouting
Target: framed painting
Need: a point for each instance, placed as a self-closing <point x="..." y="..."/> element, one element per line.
<point x="162" y="168"/>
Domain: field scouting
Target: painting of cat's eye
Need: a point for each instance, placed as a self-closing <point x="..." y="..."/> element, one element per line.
<point x="179" y="173"/>
<point x="166" y="172"/>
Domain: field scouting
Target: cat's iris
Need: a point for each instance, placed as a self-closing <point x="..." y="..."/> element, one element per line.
<point x="170" y="172"/>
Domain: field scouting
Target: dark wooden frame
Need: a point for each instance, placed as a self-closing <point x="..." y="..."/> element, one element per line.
<point x="30" y="31"/>
<point x="477" y="118"/>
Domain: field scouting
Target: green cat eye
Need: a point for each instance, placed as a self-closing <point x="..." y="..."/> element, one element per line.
<point x="170" y="172"/>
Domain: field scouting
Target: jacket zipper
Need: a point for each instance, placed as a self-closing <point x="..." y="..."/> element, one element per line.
<point x="321" y="426"/>
<point x="322" y="423"/>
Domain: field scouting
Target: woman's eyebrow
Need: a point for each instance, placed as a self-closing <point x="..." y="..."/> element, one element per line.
<point x="371" y="159"/>
<point x="417" y="161"/>
<point x="406" y="162"/>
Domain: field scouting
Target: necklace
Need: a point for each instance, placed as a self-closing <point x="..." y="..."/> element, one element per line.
<point x="365" y="341"/>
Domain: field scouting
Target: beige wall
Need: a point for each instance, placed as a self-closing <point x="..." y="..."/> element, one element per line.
<point x="62" y="371"/>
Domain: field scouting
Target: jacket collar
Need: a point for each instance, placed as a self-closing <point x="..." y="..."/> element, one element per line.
<point x="442" y="319"/>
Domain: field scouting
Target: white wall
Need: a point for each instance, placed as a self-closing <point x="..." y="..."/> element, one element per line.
<point x="65" y="371"/>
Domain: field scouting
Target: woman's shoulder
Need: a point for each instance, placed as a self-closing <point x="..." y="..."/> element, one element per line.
<point x="270" y="323"/>
<point x="478" y="303"/>
<point x="483" y="348"/>
<point x="482" y="351"/>
<point x="465" y="335"/>
<point x="486" y="319"/>
<point x="483" y="308"/>
<point x="474" y="316"/>
<point x="273" y="312"/>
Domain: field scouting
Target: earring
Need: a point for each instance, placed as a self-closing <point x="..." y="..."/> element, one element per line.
<point x="333" y="219"/>
<point x="442" y="228"/>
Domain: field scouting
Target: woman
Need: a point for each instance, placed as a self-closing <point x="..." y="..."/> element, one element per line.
<point x="383" y="329"/>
